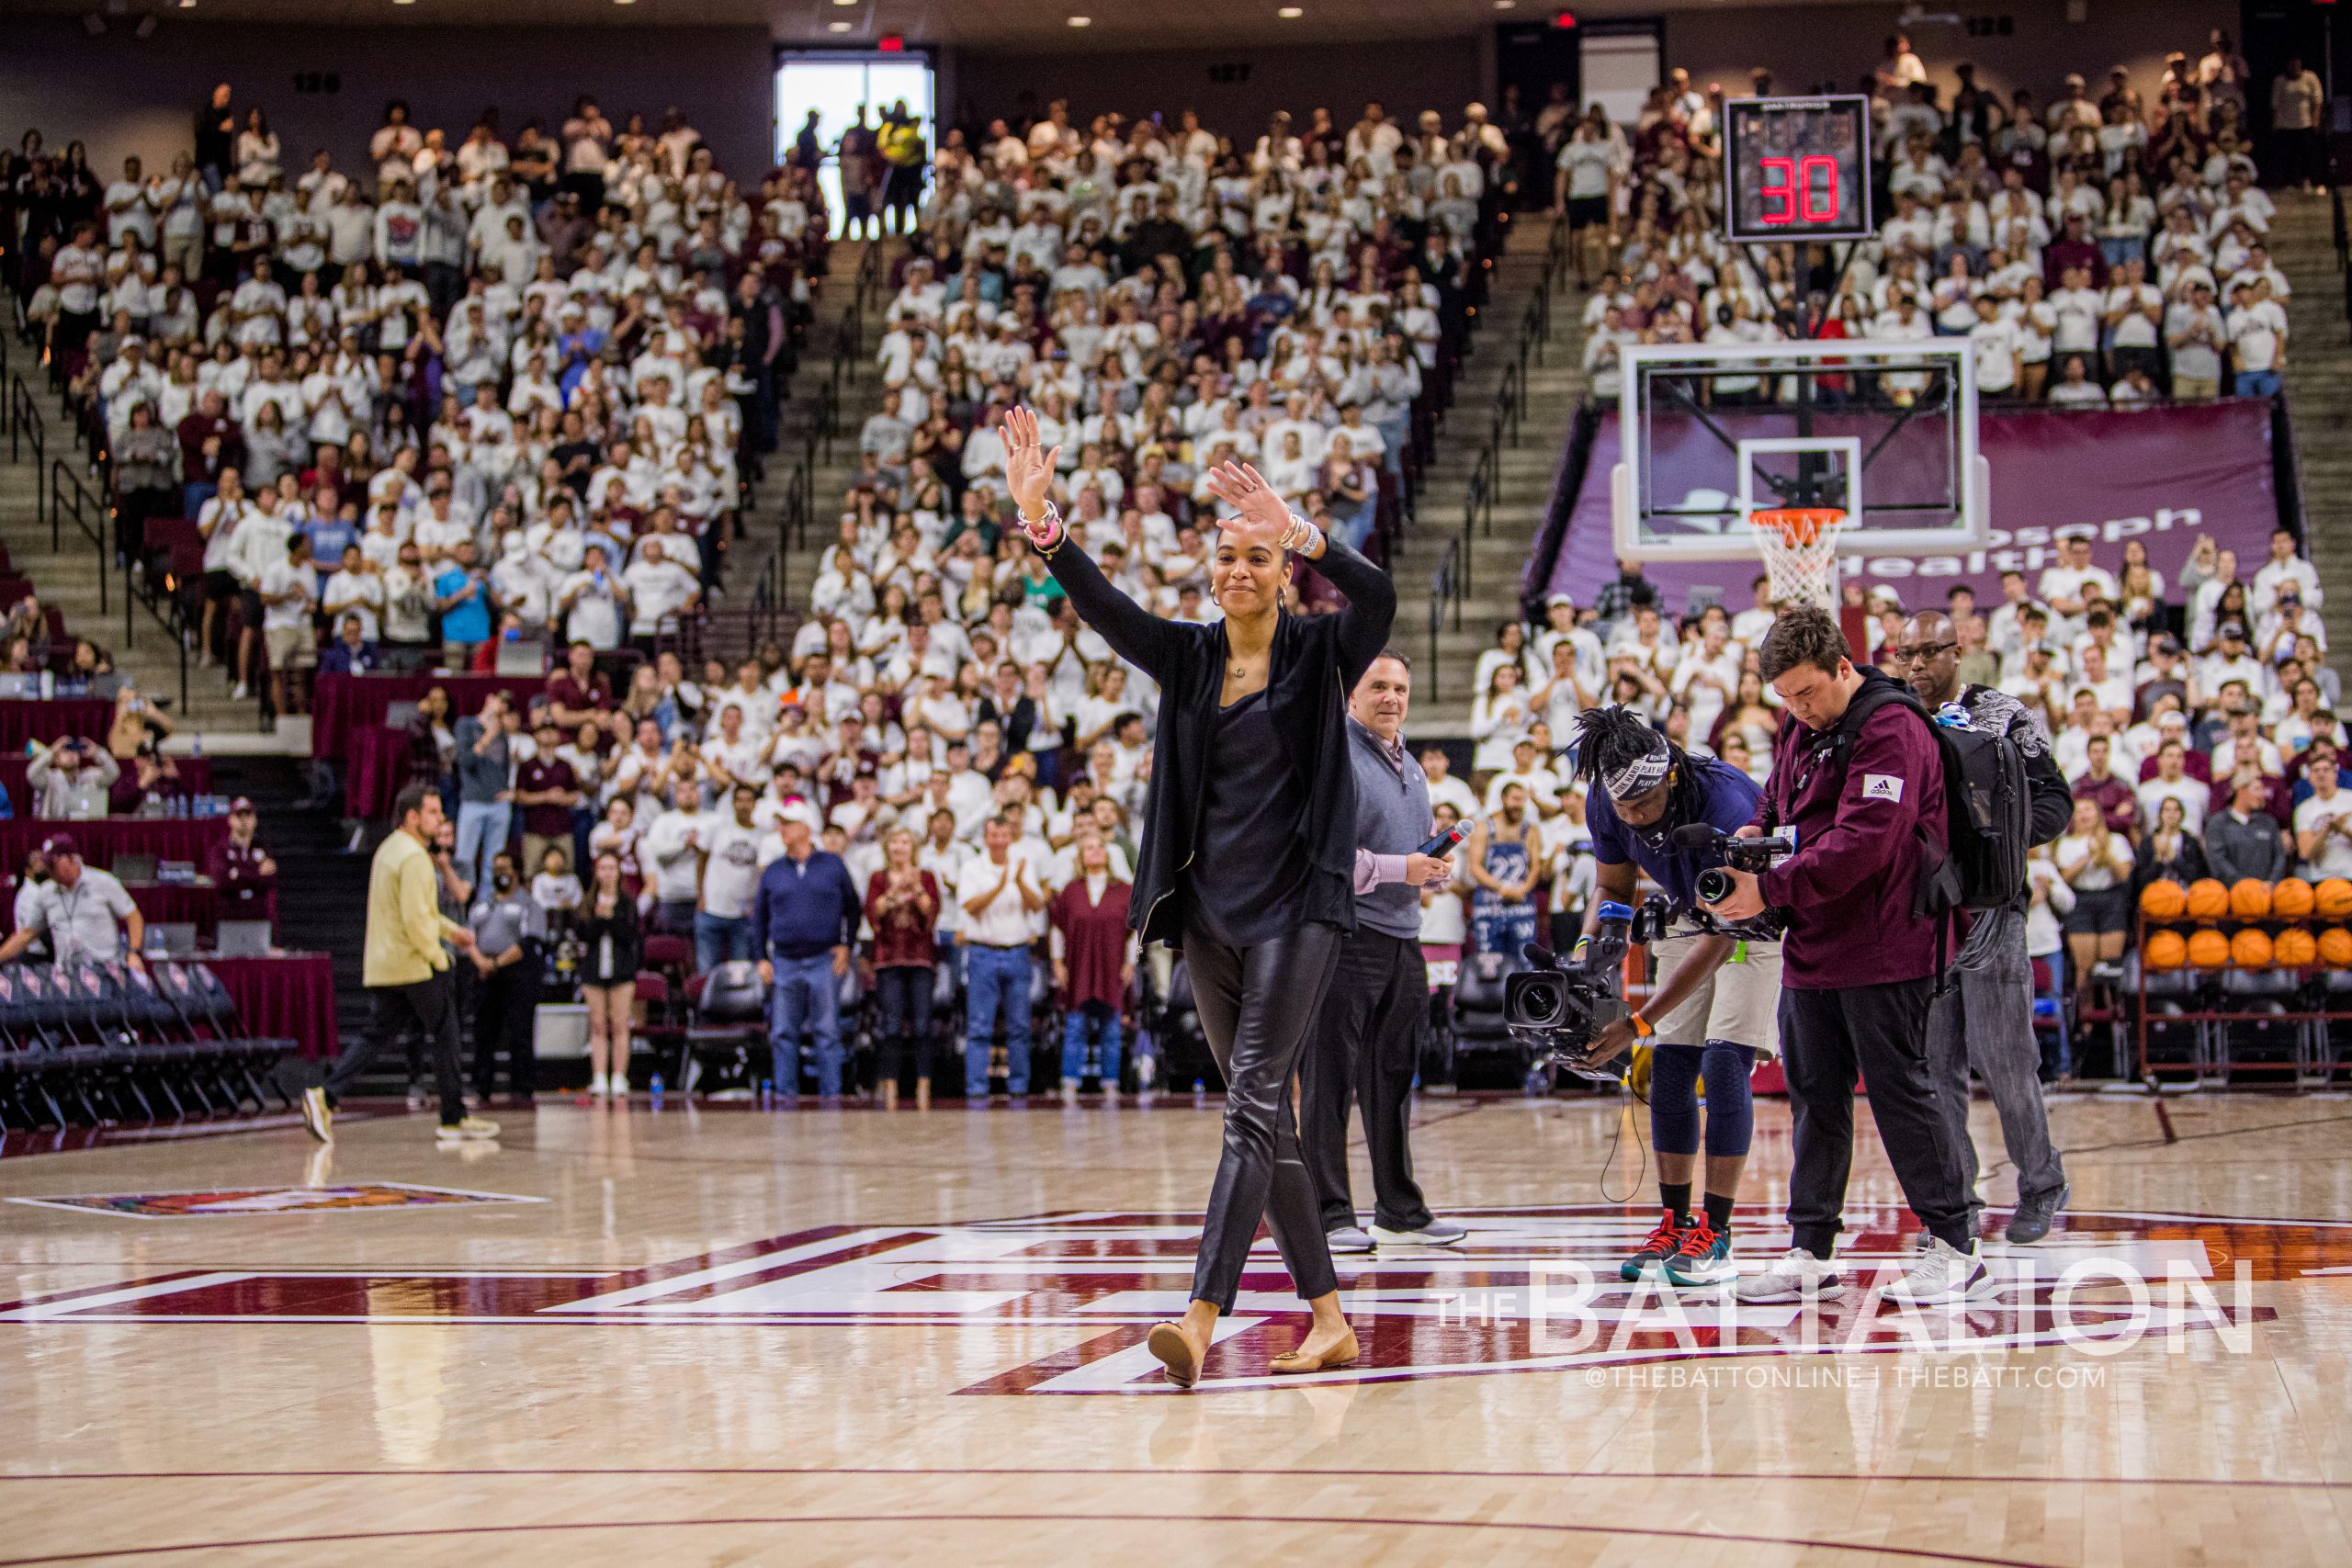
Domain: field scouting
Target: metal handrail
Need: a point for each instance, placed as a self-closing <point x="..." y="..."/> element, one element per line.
<point x="91" y="515"/>
<point x="1511" y="399"/>
<point x="27" y="426"/>
<point x="1445" y="588"/>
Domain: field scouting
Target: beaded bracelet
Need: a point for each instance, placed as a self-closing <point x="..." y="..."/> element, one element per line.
<point x="1053" y="520"/>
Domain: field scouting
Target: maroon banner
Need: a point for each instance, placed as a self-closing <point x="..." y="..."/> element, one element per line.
<point x="2165" y="476"/>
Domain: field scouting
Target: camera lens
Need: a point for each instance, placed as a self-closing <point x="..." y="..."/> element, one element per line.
<point x="1714" y="885"/>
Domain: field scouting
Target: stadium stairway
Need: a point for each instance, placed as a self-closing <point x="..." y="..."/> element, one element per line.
<point x="63" y="565"/>
<point x="2319" y="398"/>
<point x="1497" y="557"/>
<point x="860" y="394"/>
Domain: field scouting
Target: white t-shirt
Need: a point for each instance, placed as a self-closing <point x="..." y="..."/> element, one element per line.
<point x="656" y="588"/>
<point x="1588" y="165"/>
<point x="284" y="577"/>
<point x="738" y="855"/>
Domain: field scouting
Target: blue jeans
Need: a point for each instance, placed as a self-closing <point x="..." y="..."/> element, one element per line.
<point x="1104" y="1024"/>
<point x="718" y="940"/>
<point x="482" y="827"/>
<point x="994" y="978"/>
<point x="2258" y="384"/>
<point x="804" y="996"/>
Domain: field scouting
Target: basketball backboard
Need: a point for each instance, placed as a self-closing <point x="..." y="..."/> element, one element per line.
<point x="1884" y="431"/>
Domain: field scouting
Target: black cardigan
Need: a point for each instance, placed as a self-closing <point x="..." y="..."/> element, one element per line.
<point x="628" y="939"/>
<point x="1315" y="663"/>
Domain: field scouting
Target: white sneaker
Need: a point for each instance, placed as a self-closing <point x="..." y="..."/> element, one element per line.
<point x="599" y="1086"/>
<point x="1944" y="1273"/>
<point x="239" y="693"/>
<point x="1348" y="1238"/>
<point x="1793" y="1276"/>
<point x="472" y="1129"/>
<point x="316" y="1116"/>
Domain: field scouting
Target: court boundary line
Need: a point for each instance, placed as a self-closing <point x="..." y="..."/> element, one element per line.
<point x="772" y="1472"/>
<point x="1928" y="1555"/>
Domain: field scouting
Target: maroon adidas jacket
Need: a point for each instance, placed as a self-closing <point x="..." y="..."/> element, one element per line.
<point x="1850" y="887"/>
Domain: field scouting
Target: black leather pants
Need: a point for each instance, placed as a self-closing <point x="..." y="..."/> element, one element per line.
<point x="1256" y="1004"/>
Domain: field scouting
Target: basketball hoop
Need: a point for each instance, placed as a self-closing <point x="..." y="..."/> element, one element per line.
<point x="1799" y="545"/>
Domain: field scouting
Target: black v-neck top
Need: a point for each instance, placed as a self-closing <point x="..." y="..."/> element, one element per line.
<point x="1248" y="883"/>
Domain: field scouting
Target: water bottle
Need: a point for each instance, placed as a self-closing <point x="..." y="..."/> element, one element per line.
<point x="656" y="1087"/>
<point x="196" y="744"/>
<point x="1146" y="1065"/>
<point x="1200" y="1094"/>
<point x="767" y="1093"/>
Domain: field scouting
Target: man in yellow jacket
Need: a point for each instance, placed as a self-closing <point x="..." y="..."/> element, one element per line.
<point x="408" y="969"/>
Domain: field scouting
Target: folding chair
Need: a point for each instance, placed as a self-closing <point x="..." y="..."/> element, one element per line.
<point x="726" y="1009"/>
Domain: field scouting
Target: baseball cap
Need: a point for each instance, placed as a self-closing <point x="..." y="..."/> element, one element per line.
<point x="242" y="803"/>
<point x="2231" y="628"/>
<point x="1557" y="598"/>
<point x="58" y="844"/>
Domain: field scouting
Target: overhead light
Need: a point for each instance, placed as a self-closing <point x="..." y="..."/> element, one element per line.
<point x="188" y="5"/>
<point x="1506" y="5"/>
<point x="1081" y="21"/>
<point x="844" y="1"/>
<point x="1290" y="13"/>
<point x="837" y="27"/>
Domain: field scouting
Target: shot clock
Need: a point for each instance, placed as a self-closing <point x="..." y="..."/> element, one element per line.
<point x="1797" y="169"/>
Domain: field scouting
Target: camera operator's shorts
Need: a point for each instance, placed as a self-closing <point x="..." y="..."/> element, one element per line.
<point x="1740" y="1003"/>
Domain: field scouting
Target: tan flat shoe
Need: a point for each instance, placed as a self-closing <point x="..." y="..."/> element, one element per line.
<point x="1168" y="1344"/>
<point x="1291" y="1362"/>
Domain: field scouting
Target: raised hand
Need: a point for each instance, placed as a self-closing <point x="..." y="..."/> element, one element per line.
<point x="1028" y="469"/>
<point x="1243" y="488"/>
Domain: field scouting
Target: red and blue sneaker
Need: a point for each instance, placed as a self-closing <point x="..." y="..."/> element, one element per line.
<point x="1652" y="1252"/>
<point x="1704" y="1259"/>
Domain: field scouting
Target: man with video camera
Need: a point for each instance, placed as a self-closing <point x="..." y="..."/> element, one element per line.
<point x="1653" y="809"/>
<point x="1857" y="774"/>
<point x="1984" y="1016"/>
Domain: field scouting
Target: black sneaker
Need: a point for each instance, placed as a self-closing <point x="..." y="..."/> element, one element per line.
<point x="1650" y="1257"/>
<point x="2034" y="1215"/>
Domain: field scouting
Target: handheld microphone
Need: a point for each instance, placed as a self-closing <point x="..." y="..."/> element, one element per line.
<point x="1445" y="843"/>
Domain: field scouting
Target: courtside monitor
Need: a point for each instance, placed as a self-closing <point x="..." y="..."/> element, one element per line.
<point x="1797" y="169"/>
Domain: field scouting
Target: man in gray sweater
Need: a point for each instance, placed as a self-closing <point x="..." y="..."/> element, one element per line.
<point x="2243" y="840"/>
<point x="1366" y="1036"/>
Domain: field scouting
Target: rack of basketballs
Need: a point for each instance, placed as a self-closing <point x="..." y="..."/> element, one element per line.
<point x="2276" y="955"/>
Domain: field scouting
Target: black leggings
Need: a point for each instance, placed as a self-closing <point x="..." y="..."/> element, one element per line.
<point x="1255" y="1005"/>
<point x="903" y="992"/>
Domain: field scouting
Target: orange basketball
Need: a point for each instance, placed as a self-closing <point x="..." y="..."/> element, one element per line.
<point x="2166" y="950"/>
<point x="2249" y="898"/>
<point x="2208" y="900"/>
<point x="2294" y="950"/>
<point x="2336" y="948"/>
<point x="2250" y="949"/>
<point x="2209" y="949"/>
<point x="2291" y="900"/>
<point x="2331" y="899"/>
<point x="2163" y="899"/>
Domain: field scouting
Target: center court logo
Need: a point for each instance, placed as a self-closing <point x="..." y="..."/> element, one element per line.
<point x="1531" y="1290"/>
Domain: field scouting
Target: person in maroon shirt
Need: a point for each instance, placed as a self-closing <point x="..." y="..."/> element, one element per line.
<point x="547" y="789"/>
<point x="902" y="905"/>
<point x="241" y="871"/>
<point x="210" y="442"/>
<point x="577" y="692"/>
<point x="1860" y="959"/>
<point x="1094" y="962"/>
<point x="2117" y="801"/>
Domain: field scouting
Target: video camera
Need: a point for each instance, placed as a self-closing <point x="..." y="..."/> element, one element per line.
<point x="1753" y="856"/>
<point x="1558" y="1005"/>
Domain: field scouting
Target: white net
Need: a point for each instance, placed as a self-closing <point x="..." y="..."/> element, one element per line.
<point x="1800" y="550"/>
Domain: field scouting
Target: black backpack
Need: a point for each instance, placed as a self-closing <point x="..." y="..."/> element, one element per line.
<point x="1988" y="806"/>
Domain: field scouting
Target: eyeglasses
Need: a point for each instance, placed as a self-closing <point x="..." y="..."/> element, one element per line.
<point x="1924" y="652"/>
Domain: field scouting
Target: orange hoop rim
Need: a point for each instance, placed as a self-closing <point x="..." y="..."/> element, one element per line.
<point x="1798" y="525"/>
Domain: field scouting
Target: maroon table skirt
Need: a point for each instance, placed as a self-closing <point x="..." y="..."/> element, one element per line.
<point x="343" y="703"/>
<point x="23" y="719"/>
<point x="166" y="838"/>
<point x="375" y="766"/>
<point x="289" y="995"/>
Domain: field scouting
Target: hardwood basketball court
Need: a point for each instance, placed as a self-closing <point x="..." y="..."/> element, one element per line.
<point x="837" y="1337"/>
